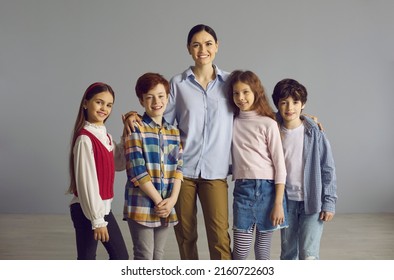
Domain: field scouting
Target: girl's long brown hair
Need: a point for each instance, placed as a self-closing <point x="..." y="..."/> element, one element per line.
<point x="90" y="92"/>
<point x="261" y="104"/>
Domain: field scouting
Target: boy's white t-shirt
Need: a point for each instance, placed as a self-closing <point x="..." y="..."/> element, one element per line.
<point x="293" y="147"/>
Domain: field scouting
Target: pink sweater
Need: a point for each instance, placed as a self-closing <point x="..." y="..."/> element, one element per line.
<point x="257" y="151"/>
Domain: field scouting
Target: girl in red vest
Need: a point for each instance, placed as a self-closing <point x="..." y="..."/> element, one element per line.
<point x="94" y="157"/>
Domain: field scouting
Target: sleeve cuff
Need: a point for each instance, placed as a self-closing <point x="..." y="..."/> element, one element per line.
<point x="99" y="223"/>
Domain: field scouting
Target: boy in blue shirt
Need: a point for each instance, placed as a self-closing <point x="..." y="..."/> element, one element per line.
<point x="311" y="179"/>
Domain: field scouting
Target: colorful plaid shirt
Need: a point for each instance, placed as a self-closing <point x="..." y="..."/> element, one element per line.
<point x="153" y="153"/>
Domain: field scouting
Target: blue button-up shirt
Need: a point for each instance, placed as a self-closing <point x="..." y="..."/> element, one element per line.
<point x="205" y="121"/>
<point x="320" y="181"/>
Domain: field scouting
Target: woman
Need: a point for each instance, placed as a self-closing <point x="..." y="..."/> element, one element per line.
<point x="199" y="105"/>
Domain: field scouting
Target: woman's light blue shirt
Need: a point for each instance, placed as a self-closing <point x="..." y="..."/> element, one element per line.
<point x="205" y="120"/>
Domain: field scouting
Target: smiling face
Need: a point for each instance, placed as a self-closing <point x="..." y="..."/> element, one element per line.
<point x="99" y="107"/>
<point x="243" y="96"/>
<point x="155" y="102"/>
<point x="290" y="110"/>
<point x="203" y="48"/>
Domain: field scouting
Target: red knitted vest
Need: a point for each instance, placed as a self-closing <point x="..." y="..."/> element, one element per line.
<point x="105" y="166"/>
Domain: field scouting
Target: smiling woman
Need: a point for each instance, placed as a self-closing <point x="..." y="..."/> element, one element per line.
<point x="199" y="106"/>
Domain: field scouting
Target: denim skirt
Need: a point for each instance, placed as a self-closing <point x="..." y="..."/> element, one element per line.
<point x="253" y="203"/>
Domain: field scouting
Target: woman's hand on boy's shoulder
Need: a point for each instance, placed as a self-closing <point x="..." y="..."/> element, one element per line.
<point x="130" y="120"/>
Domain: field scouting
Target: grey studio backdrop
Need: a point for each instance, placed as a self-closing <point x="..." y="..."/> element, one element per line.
<point x="51" y="50"/>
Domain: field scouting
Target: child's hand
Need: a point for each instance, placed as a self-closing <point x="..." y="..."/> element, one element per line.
<point x="163" y="209"/>
<point x="314" y="118"/>
<point x="101" y="234"/>
<point x="326" y="216"/>
<point x="277" y="215"/>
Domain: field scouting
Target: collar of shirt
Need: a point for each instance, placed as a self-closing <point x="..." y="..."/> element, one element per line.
<point x="100" y="131"/>
<point x="95" y="128"/>
<point x="308" y="122"/>
<point x="189" y="73"/>
<point x="148" y="120"/>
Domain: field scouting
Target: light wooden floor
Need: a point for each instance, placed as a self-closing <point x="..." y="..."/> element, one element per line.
<point x="51" y="237"/>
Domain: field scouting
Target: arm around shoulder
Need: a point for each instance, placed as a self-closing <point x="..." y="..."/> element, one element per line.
<point x="119" y="156"/>
<point x="130" y="120"/>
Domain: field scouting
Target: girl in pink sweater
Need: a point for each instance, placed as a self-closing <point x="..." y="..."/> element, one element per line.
<point x="258" y="168"/>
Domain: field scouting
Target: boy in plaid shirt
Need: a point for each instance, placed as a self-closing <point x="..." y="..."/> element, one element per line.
<point x="154" y="170"/>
